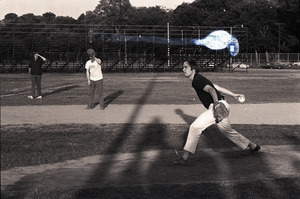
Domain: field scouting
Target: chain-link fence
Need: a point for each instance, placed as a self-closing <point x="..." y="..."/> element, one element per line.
<point x="267" y="60"/>
<point x="124" y="48"/>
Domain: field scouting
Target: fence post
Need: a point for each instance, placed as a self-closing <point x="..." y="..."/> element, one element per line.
<point x="13" y="44"/>
<point x="168" y="32"/>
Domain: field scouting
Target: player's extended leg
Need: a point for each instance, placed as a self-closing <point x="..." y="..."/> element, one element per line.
<point x="232" y="134"/>
<point x="197" y="127"/>
<point x="100" y="93"/>
<point x="33" y="83"/>
<point x="91" y="93"/>
<point x="39" y="84"/>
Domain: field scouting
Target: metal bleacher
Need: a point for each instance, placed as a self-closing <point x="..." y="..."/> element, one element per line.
<point x="65" y="47"/>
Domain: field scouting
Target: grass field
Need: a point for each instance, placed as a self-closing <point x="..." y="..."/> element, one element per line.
<point x="259" y="86"/>
<point x="36" y="144"/>
<point x="25" y="145"/>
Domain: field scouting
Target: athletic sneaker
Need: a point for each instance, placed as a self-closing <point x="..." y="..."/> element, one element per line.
<point x="30" y="97"/>
<point x="39" y="97"/>
<point x="181" y="162"/>
<point x="255" y="150"/>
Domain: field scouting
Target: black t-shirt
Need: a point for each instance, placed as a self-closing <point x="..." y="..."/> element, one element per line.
<point x="199" y="82"/>
<point x="36" y="66"/>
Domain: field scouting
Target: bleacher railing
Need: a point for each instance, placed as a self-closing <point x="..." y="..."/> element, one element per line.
<point x="121" y="48"/>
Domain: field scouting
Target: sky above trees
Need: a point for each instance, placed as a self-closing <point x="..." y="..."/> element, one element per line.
<point x="272" y="25"/>
<point x="71" y="8"/>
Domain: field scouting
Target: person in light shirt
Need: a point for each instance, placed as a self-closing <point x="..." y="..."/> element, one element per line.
<point x="95" y="79"/>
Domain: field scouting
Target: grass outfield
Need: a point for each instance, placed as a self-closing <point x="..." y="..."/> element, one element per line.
<point x="259" y="86"/>
<point x="29" y="145"/>
<point x="34" y="145"/>
<point x="257" y="189"/>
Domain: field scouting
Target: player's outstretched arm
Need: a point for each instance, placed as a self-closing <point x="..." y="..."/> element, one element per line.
<point x="43" y="58"/>
<point x="227" y="92"/>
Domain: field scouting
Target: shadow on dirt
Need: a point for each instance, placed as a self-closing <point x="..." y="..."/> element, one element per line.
<point x="153" y="177"/>
<point x="59" y="90"/>
<point x="214" y="173"/>
<point x="109" y="99"/>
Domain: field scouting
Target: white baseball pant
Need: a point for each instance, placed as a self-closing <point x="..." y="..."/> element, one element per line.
<point x="205" y="120"/>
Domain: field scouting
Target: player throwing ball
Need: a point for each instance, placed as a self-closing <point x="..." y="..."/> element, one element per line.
<point x="217" y="112"/>
<point x="95" y="79"/>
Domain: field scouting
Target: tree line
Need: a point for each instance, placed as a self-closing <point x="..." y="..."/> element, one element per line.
<point x="272" y="24"/>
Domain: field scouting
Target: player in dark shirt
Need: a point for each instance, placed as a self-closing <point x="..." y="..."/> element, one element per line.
<point x="209" y="94"/>
<point x="35" y="72"/>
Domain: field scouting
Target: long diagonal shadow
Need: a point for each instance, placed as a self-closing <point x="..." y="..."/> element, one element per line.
<point x="110" y="98"/>
<point x="100" y="174"/>
<point x="152" y="141"/>
<point x="62" y="89"/>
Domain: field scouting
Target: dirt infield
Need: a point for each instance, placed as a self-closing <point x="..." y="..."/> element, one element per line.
<point x="272" y="113"/>
<point x="150" y="167"/>
<point x="215" y="172"/>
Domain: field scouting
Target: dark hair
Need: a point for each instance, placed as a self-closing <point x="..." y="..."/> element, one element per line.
<point x="193" y="65"/>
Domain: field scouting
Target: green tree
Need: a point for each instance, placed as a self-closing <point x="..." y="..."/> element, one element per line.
<point x="259" y="16"/>
<point x="29" y="18"/>
<point x="288" y="25"/>
<point x="148" y="16"/>
<point x="48" y="17"/>
<point x="88" y="18"/>
<point x="81" y="19"/>
<point x="186" y="15"/>
<point x="64" y="20"/>
<point x="203" y="13"/>
<point x="112" y="12"/>
<point x="10" y="18"/>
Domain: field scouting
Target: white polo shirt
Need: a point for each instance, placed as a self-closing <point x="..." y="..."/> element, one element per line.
<point x="95" y="70"/>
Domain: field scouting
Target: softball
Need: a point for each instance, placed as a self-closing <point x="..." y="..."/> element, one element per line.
<point x="241" y="98"/>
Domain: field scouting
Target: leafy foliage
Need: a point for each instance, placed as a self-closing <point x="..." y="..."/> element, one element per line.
<point x="112" y="12"/>
<point x="272" y="25"/>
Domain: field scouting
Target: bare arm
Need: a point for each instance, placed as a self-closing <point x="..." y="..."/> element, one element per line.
<point x="227" y="92"/>
<point x="88" y="76"/>
<point x="212" y="92"/>
<point x="43" y="58"/>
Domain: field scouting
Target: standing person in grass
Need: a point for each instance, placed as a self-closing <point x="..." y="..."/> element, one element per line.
<point x="95" y="79"/>
<point x="210" y="95"/>
<point x="35" y="72"/>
